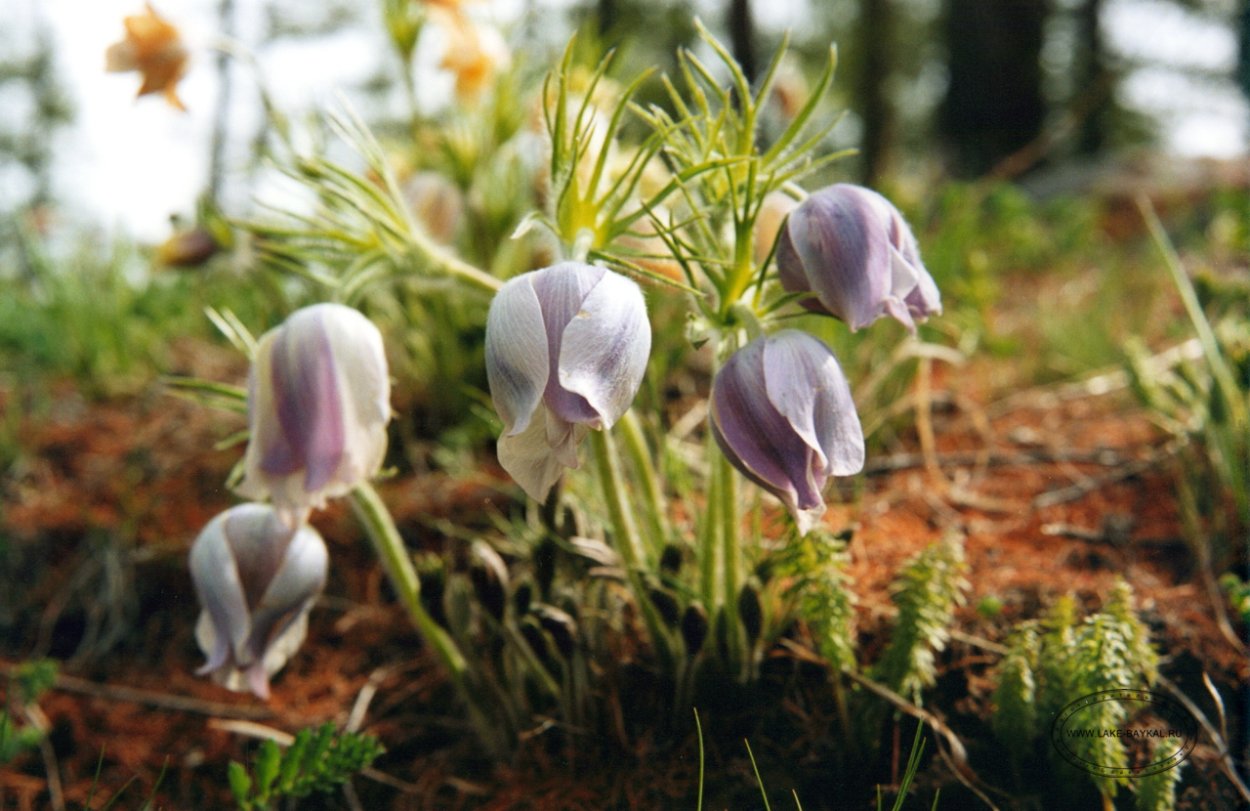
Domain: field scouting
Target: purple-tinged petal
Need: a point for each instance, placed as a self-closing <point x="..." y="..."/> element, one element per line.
<point x="308" y="401"/>
<point x="220" y="589"/>
<point x="782" y="412"/>
<point x="318" y="404"/>
<point x="757" y="437"/>
<point x="517" y="364"/>
<point x="256" y="579"/>
<point x="843" y="252"/>
<point x="605" y="347"/>
<point x="806" y="385"/>
<point x="853" y="249"/>
<point x="562" y="290"/>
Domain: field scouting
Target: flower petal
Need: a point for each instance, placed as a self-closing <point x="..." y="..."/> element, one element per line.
<point x="757" y="437"/>
<point x="562" y="290"/>
<point x="531" y="460"/>
<point x="220" y="589"/>
<point x="807" y="386"/>
<point x="844" y="252"/>
<point x="605" y="347"/>
<point x="517" y="364"/>
<point x="308" y="402"/>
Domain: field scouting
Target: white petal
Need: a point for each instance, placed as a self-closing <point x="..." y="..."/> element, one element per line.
<point x="516" y="353"/>
<point x="529" y="458"/>
<point x="217" y="583"/>
<point x="605" y="347"/>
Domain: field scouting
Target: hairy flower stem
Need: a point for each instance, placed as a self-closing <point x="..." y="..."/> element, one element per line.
<point x="655" y="511"/>
<point x="440" y="260"/>
<point x="628" y="543"/>
<point x="731" y="562"/>
<point x="709" y="534"/>
<point x="382" y="532"/>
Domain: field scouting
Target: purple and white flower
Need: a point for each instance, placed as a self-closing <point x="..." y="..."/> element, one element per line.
<point x="256" y="579"/>
<point x="318" y="404"/>
<point x="781" y="411"/>
<point x="852" y="248"/>
<point x="566" y="349"/>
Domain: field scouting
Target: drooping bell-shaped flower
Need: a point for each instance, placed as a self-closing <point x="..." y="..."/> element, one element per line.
<point x="566" y="348"/>
<point x="852" y="248"/>
<point x="782" y="412"/>
<point x="256" y="579"/>
<point x="318" y="404"/>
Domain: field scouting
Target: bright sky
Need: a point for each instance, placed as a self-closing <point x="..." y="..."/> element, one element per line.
<point x="130" y="164"/>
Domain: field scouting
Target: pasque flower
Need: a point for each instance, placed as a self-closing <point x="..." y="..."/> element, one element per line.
<point x="256" y="579"/>
<point x="154" y="48"/>
<point x="852" y="248"/>
<point x="781" y="411"/>
<point x="318" y="404"/>
<point x="566" y="348"/>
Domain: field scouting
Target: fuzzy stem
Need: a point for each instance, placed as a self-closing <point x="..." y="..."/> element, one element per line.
<point x="731" y="557"/>
<point x="441" y="260"/>
<point x="380" y="528"/>
<point x="382" y="532"/>
<point x="628" y="544"/>
<point x="655" y="510"/>
<point x="709" y="534"/>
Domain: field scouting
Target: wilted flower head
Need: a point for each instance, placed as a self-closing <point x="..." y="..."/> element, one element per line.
<point x="851" y="247"/>
<point x="154" y="48"/>
<point x="318" y="404"/>
<point x="474" y="52"/>
<point x="256" y="579"/>
<point x="782" y="412"/>
<point x="566" y="348"/>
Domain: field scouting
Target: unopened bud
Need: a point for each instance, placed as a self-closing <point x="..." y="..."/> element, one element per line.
<point x="489" y="576"/>
<point x="694" y="627"/>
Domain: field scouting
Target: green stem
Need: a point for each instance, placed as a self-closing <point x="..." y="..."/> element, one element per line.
<point x="656" y="512"/>
<point x="380" y="528"/>
<point x="628" y="544"/>
<point x="382" y="532"/>
<point x="709" y="534"/>
<point x="441" y="260"/>
<point x="731" y="557"/>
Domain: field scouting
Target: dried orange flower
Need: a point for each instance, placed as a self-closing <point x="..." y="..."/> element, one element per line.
<point x="474" y="53"/>
<point x="153" y="47"/>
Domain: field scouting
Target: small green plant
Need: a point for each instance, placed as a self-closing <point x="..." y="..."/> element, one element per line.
<point x="317" y="761"/>
<point x="927" y="592"/>
<point x="1055" y="661"/>
<point x="28" y="682"/>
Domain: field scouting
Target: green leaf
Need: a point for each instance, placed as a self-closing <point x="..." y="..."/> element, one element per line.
<point x="240" y="785"/>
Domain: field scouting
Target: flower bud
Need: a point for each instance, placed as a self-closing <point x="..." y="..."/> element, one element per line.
<point x="852" y="248"/>
<point x="694" y="627"/>
<point x="489" y="576"/>
<point x="318" y="404"/>
<point x="566" y="349"/>
<point x="781" y="411"/>
<point x="751" y="612"/>
<point x="256" y="579"/>
<point x="561" y="627"/>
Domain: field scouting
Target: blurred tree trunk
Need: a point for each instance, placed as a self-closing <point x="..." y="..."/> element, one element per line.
<point x="994" y="104"/>
<point x="876" y="30"/>
<point x="1243" y="48"/>
<point x="608" y="13"/>
<point x="1093" y="80"/>
<point x="742" y="36"/>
